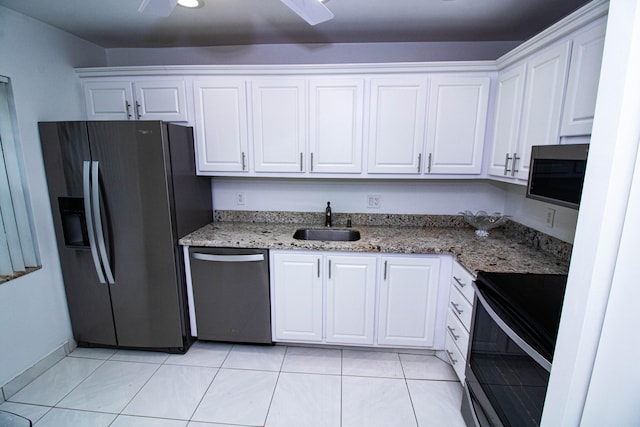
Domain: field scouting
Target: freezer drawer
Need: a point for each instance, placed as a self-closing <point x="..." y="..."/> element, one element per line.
<point x="231" y="294"/>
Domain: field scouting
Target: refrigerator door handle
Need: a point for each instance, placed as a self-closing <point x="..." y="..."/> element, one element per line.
<point x="86" y="187"/>
<point x="95" y="196"/>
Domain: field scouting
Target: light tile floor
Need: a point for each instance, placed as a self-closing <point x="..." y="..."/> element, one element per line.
<point x="217" y="385"/>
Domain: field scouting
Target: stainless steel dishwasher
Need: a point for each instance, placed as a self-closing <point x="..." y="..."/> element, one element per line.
<point x="231" y="294"/>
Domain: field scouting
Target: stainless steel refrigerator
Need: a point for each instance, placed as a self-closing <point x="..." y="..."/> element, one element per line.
<point x="122" y="194"/>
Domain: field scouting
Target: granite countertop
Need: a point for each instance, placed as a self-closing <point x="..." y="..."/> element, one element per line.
<point x="495" y="253"/>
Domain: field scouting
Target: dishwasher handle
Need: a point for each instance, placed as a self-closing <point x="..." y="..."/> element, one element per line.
<point x="228" y="258"/>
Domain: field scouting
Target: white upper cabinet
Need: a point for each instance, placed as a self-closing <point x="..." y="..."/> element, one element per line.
<point x="279" y="125"/>
<point x="582" y="87"/>
<point x="543" y="94"/>
<point x="109" y="100"/>
<point x="397" y="115"/>
<point x="221" y="125"/>
<point x="351" y="295"/>
<point x="137" y="100"/>
<point x="456" y="124"/>
<point x="536" y="121"/>
<point x="508" y="108"/>
<point x="161" y="100"/>
<point x="335" y="125"/>
<point x="408" y="301"/>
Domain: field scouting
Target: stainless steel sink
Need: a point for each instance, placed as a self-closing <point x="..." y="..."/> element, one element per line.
<point x="328" y="234"/>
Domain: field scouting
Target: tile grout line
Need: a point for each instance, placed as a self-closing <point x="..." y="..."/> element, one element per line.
<point x="406" y="384"/>
<point x="266" y="417"/>
<point x="341" y="383"/>
<point x="139" y="390"/>
<point x="210" y="384"/>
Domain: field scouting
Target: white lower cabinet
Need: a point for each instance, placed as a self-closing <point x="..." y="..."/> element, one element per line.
<point x="408" y="301"/>
<point x="351" y="295"/>
<point x="459" y="319"/>
<point x="356" y="299"/>
<point x="296" y="297"/>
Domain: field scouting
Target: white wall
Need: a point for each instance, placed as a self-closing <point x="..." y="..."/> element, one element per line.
<point x="39" y="60"/>
<point x="311" y="53"/>
<point x="595" y="375"/>
<point x="533" y="213"/>
<point x="397" y="197"/>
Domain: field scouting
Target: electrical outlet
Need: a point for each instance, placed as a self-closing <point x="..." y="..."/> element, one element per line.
<point x="551" y="215"/>
<point x="374" y="201"/>
<point x="240" y="199"/>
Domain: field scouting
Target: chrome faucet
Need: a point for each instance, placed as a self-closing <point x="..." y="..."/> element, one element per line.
<point x="327" y="215"/>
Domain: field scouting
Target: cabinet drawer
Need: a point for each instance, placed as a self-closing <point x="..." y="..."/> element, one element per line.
<point x="457" y="361"/>
<point x="462" y="279"/>
<point x="458" y="332"/>
<point x="461" y="307"/>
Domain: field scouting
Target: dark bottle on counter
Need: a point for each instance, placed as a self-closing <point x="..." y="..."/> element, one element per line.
<point x="327" y="215"/>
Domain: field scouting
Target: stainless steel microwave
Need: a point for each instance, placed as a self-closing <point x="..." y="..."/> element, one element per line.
<point x="556" y="173"/>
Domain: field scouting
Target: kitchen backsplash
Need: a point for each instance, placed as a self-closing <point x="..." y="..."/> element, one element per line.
<point x="511" y="229"/>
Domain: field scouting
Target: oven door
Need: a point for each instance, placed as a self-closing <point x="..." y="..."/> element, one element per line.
<point x="507" y="379"/>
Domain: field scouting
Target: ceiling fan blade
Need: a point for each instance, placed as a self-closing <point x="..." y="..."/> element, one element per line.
<point x="311" y="11"/>
<point x="157" y="7"/>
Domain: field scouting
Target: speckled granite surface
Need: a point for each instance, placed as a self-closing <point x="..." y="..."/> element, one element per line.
<point x="498" y="252"/>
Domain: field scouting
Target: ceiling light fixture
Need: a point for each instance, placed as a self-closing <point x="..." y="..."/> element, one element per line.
<point x="193" y="4"/>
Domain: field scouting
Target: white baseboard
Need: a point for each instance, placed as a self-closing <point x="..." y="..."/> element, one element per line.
<point x="21" y="380"/>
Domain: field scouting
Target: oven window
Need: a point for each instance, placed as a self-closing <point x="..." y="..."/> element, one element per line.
<point x="511" y="381"/>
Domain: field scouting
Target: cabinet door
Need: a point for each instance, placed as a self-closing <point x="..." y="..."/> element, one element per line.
<point x="221" y="125"/>
<point x="456" y="124"/>
<point x="297" y="297"/>
<point x="279" y="130"/>
<point x="544" y="92"/>
<point x="335" y="125"/>
<point x="508" y="107"/>
<point x="582" y="87"/>
<point x="408" y="301"/>
<point x="109" y="100"/>
<point x="396" y="125"/>
<point x="351" y="284"/>
<point x="161" y="100"/>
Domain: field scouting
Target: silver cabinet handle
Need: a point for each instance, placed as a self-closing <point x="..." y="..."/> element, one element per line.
<point x="311" y="162"/>
<point x="429" y="163"/>
<point x="128" y="107"/>
<point x="301" y="164"/>
<point x="86" y="187"/>
<point x="460" y="282"/>
<point x="450" y="353"/>
<point x="506" y="164"/>
<point x="227" y="258"/>
<point x="95" y="204"/>
<point x="138" y="110"/>
<point x="385" y="271"/>
<point x="318" y="267"/>
<point x="513" y="165"/>
<point x="329" y="269"/>
<point x="419" y="161"/>
<point x="244" y="161"/>
<point x="456" y="307"/>
<point x="455" y="337"/>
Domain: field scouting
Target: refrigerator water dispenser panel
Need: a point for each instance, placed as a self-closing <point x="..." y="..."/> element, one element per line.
<point x="74" y="224"/>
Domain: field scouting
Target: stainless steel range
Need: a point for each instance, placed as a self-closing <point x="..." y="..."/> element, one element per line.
<point x="513" y="337"/>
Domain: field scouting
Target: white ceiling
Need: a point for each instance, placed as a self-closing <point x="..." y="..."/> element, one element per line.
<point x="117" y="23"/>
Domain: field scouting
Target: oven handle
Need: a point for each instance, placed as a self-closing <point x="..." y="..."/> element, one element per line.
<point x="510" y="333"/>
